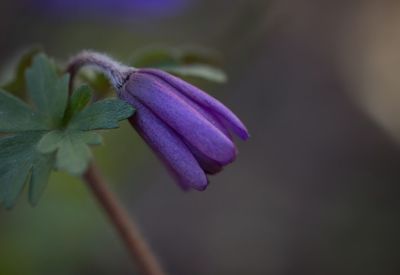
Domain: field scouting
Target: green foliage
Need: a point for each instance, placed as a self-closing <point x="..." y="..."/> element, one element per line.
<point x="156" y="57"/>
<point x="78" y="101"/>
<point x="21" y="162"/>
<point x="16" y="116"/>
<point x="53" y="134"/>
<point x="103" y="114"/>
<point x="17" y="84"/>
<point x="71" y="147"/>
<point x="98" y="82"/>
<point x="198" y="70"/>
<point x="48" y="91"/>
<point x="193" y="63"/>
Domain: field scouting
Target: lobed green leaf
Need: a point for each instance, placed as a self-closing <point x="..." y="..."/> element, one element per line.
<point x="48" y="91"/>
<point x="104" y="114"/>
<point x="41" y="170"/>
<point x="16" y="116"/>
<point x="17" y="84"/>
<point x="56" y="134"/>
<point x="78" y="101"/>
<point x="20" y="161"/>
<point x="71" y="147"/>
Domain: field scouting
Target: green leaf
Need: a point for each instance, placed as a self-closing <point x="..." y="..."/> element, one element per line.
<point x="16" y="116"/>
<point x="40" y="175"/>
<point x="79" y="99"/>
<point x="56" y="134"/>
<point x="47" y="90"/>
<point x="171" y="56"/>
<point x="155" y="57"/>
<point x="191" y="62"/>
<point x="91" y="138"/>
<point x="18" y="156"/>
<point x="205" y="72"/>
<point x="50" y="141"/>
<point x="104" y="114"/>
<point x="199" y="55"/>
<point x="12" y="181"/>
<point x="17" y="84"/>
<point x="98" y="81"/>
<point x="73" y="154"/>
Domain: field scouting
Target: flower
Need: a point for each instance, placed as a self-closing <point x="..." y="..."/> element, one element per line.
<point x="189" y="130"/>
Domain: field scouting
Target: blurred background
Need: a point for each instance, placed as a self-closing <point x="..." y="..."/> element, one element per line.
<point x="314" y="191"/>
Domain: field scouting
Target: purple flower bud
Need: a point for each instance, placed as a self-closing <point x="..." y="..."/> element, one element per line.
<point x="189" y="130"/>
<point x="185" y="127"/>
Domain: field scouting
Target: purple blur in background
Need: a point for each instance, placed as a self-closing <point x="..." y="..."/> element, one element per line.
<point x="125" y="8"/>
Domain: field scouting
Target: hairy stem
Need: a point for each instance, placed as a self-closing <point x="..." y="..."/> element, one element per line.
<point x="127" y="229"/>
<point x="115" y="71"/>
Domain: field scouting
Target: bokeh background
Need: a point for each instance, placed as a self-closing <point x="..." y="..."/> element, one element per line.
<point x="314" y="191"/>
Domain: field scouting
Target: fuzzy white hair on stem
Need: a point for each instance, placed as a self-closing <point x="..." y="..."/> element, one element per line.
<point x="115" y="71"/>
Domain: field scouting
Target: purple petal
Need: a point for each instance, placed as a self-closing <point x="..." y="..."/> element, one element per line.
<point x="168" y="146"/>
<point x="215" y="120"/>
<point x="204" y="100"/>
<point x="208" y="165"/>
<point x="196" y="130"/>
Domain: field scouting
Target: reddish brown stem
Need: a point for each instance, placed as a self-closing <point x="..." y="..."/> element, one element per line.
<point x="123" y="223"/>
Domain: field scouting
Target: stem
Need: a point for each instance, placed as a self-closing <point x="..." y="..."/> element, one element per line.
<point x="115" y="71"/>
<point x="127" y="229"/>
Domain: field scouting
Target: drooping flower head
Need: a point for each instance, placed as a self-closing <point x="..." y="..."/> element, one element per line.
<point x="189" y="130"/>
